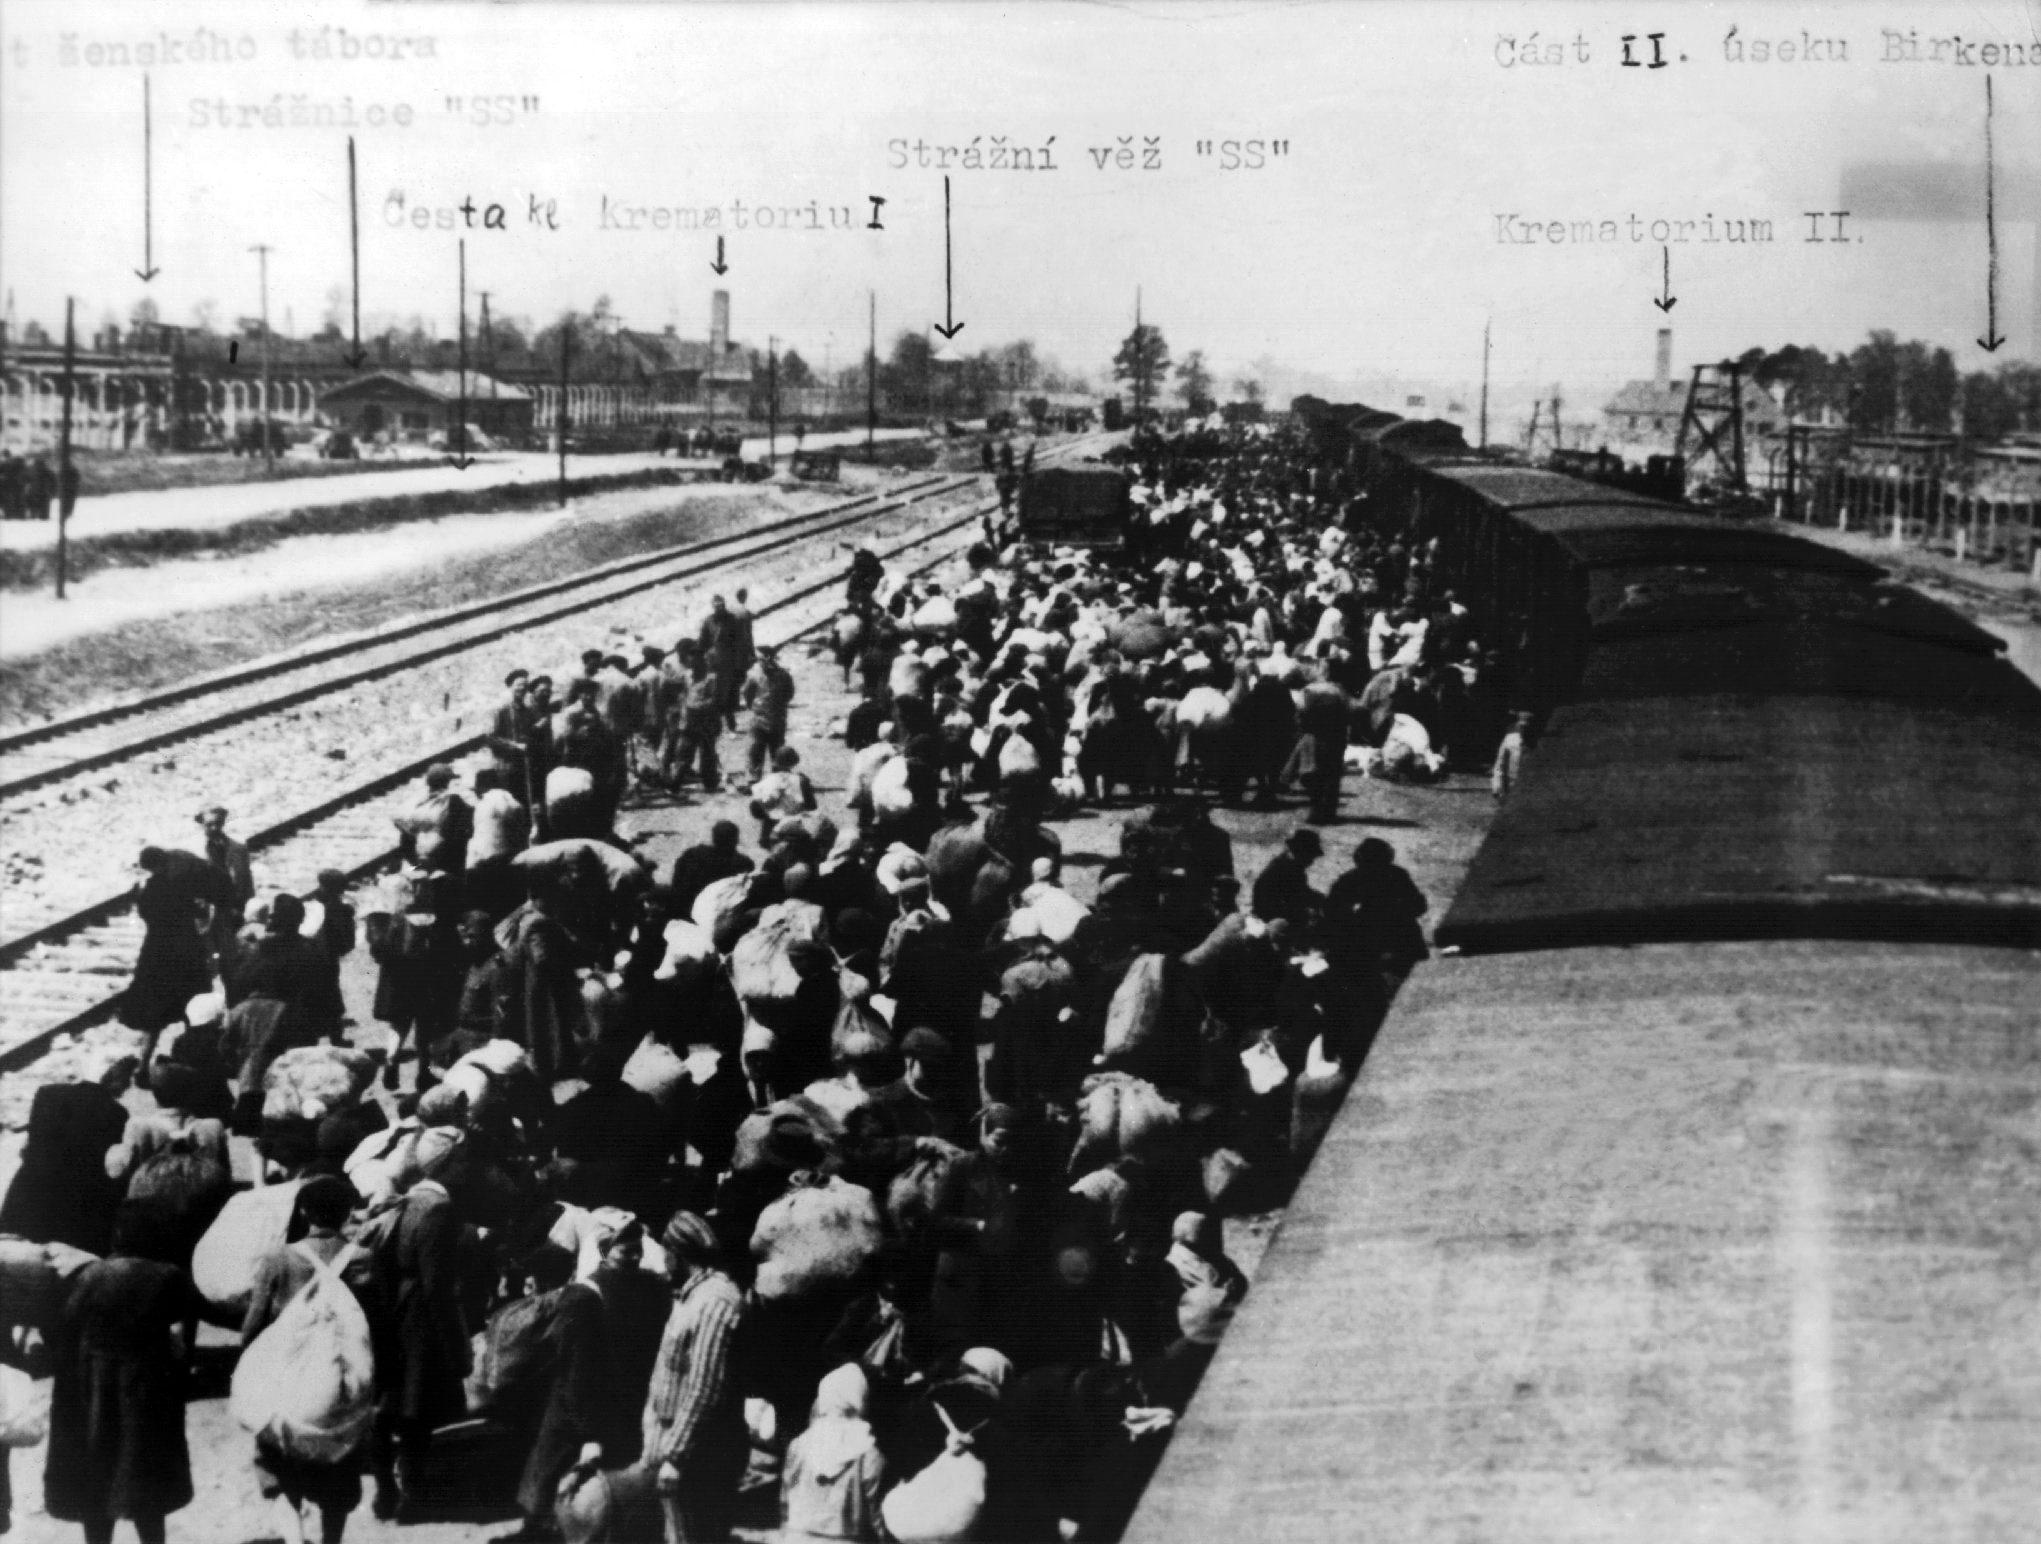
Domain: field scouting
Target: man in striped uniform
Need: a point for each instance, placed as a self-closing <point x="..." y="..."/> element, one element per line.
<point x="695" y="1437"/>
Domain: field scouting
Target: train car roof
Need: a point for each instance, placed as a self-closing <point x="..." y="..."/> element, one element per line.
<point x="1716" y="595"/>
<point x="1599" y="526"/>
<point x="1737" y="815"/>
<point x="1682" y="1243"/>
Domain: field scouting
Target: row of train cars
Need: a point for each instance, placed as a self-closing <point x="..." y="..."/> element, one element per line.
<point x="1693" y="1190"/>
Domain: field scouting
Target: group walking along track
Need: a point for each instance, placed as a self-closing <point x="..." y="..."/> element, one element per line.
<point x="63" y="963"/>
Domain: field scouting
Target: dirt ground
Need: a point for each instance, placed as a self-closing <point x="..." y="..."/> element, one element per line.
<point x="1435" y="832"/>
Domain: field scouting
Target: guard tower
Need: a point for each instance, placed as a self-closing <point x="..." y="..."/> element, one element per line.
<point x="1711" y="428"/>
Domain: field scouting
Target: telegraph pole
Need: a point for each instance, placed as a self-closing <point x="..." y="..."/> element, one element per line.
<point x="566" y="343"/>
<point x="268" y="450"/>
<point x="772" y="402"/>
<point x="872" y="375"/>
<point x="64" y="442"/>
<point x="488" y="347"/>
<point x="1484" y="383"/>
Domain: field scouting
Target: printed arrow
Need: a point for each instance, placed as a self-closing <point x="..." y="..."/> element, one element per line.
<point x="950" y="327"/>
<point x="719" y="265"/>
<point x="148" y="270"/>
<point x="356" y="355"/>
<point x="1991" y="340"/>
<point x="461" y="459"/>
<point x="1668" y="302"/>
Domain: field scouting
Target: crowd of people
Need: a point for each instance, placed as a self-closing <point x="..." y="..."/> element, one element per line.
<point x="868" y="1174"/>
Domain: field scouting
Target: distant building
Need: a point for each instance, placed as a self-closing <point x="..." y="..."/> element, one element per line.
<point x="416" y="404"/>
<point x="1646" y="414"/>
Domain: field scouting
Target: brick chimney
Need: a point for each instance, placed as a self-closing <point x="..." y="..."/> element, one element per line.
<point x="1661" y="373"/>
<point x="719" y="324"/>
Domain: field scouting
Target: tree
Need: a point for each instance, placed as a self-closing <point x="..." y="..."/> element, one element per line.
<point x="1143" y="359"/>
<point x="905" y="377"/>
<point x="1019" y="369"/>
<point x="1194" y="383"/>
<point x="144" y="314"/>
<point x="794" y="370"/>
<point x="333" y="321"/>
<point x="1247" y="389"/>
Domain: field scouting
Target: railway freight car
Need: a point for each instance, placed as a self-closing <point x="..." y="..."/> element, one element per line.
<point x="1692" y="1193"/>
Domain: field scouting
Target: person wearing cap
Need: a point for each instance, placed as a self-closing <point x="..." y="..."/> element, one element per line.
<point x="230" y="859"/>
<point x="1282" y="891"/>
<point x="692" y="746"/>
<point x="723" y="647"/>
<point x="768" y="693"/>
<point x="434" y="832"/>
<point x="928" y="1100"/>
<point x="696" y="1443"/>
<point x="322" y="1208"/>
<point x="1379" y="909"/>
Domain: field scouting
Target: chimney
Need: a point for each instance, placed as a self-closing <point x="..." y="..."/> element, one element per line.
<point x="719" y="324"/>
<point x="1661" y="376"/>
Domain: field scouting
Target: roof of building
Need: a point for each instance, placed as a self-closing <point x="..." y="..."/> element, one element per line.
<point x="434" y="385"/>
<point x="1671" y="397"/>
<point x="659" y="353"/>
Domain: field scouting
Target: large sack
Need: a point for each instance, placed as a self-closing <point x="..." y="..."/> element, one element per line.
<point x="658" y="1070"/>
<point x="935" y="617"/>
<point x="484" y="1076"/>
<point x="510" y="1350"/>
<point x="942" y="1504"/>
<point x="891" y="794"/>
<point x="249" y="1226"/>
<point x="24" y="1410"/>
<point x="775" y="960"/>
<point x="35" y="1280"/>
<point x="389" y="1163"/>
<point x="690" y="953"/>
<point x="570" y="798"/>
<point x="1047" y="912"/>
<point x="1120" y="1117"/>
<point x="1152" y="1021"/>
<point x="815" y="1237"/>
<point x="1141" y="635"/>
<point x="1204" y="707"/>
<point x="622" y="872"/>
<point x="309" y="1082"/>
<point x="1019" y="760"/>
<point x="307" y="1384"/>
<point x="762" y="1135"/>
<point x="608" y="1506"/>
<point x="722" y="903"/>
<point x="929" y="1187"/>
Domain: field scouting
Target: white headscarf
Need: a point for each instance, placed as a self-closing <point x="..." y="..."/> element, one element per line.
<point x="838" y="1434"/>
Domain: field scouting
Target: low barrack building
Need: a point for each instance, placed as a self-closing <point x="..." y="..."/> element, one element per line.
<point x="415" y="405"/>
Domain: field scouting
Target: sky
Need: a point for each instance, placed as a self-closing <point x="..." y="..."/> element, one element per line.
<point x="1421" y="144"/>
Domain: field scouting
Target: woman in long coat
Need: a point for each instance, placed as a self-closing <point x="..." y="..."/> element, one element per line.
<point x="174" y="965"/>
<point x="117" y="1447"/>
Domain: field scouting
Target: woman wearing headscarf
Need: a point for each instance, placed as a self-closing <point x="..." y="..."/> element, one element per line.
<point x="970" y="1403"/>
<point x="62" y="1192"/>
<point x="834" y="1473"/>
<point x="117" y="1446"/>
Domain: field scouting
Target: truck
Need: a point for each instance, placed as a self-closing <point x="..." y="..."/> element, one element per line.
<point x="1075" y="507"/>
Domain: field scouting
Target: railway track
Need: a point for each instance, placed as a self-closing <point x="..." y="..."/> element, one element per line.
<point x="50" y="753"/>
<point x="65" y="973"/>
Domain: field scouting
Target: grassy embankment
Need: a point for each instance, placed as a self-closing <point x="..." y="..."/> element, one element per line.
<point x="36" y="569"/>
<point x="161" y="652"/>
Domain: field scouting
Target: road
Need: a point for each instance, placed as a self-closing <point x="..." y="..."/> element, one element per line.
<point x="167" y="509"/>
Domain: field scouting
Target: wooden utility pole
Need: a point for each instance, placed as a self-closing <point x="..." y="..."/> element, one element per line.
<point x="64" y="442"/>
<point x="1484" y="383"/>
<point x="772" y="402"/>
<point x="268" y="449"/>
<point x="872" y="376"/>
<point x="566" y="344"/>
